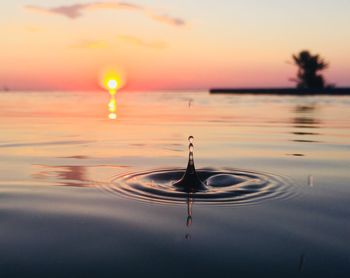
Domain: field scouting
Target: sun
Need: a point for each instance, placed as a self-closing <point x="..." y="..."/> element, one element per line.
<point x="112" y="79"/>
<point x="112" y="84"/>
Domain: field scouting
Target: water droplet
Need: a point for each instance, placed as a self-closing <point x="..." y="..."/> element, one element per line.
<point x="191" y="148"/>
<point x="190" y="139"/>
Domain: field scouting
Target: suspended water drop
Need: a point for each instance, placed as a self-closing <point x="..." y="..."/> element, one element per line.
<point x="190" y="139"/>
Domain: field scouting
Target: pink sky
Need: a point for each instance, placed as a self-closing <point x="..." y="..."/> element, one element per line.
<point x="166" y="45"/>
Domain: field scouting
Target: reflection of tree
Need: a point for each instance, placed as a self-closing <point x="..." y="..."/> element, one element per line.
<point x="305" y="121"/>
<point x="305" y="108"/>
<point x="309" y="65"/>
<point x="305" y="118"/>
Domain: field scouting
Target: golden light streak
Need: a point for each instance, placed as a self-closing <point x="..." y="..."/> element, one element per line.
<point x="112" y="80"/>
<point x="112" y="108"/>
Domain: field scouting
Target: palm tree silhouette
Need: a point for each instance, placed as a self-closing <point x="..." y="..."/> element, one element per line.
<point x="309" y="65"/>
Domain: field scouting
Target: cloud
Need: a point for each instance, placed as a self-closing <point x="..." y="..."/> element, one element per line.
<point x="73" y="11"/>
<point x="169" y="20"/>
<point x="77" y="10"/>
<point x="90" y="44"/>
<point x="140" y="42"/>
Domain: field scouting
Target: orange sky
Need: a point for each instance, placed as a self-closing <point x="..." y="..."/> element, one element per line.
<point x="62" y="45"/>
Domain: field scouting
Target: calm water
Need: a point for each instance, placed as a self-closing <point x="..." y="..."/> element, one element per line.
<point x="86" y="196"/>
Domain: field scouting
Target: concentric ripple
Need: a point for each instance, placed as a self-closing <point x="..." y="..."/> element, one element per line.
<point x="223" y="187"/>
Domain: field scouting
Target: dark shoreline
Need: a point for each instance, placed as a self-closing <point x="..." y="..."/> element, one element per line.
<point x="282" y="91"/>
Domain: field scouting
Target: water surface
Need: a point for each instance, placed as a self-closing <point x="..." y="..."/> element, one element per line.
<point x="69" y="206"/>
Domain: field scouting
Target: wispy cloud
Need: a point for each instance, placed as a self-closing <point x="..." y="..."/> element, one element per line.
<point x="168" y="20"/>
<point x="75" y="11"/>
<point x="90" y="44"/>
<point x="140" y="42"/>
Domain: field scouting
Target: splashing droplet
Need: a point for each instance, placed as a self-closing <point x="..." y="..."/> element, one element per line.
<point x="190" y="181"/>
<point x="208" y="186"/>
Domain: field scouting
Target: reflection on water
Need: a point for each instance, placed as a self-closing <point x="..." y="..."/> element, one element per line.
<point x="305" y="133"/>
<point x="301" y="108"/>
<point x="112" y="108"/>
<point x="189" y="218"/>
<point x="94" y="176"/>
<point x="189" y="210"/>
<point x="82" y="196"/>
<point x="66" y="175"/>
<point x="305" y="118"/>
<point x="297" y="154"/>
<point x="305" y="141"/>
<point x="190" y="101"/>
<point x="311" y="181"/>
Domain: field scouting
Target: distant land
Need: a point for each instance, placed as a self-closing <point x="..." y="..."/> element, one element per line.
<point x="282" y="91"/>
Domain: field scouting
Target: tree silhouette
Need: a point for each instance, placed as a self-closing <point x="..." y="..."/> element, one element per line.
<point x="309" y="65"/>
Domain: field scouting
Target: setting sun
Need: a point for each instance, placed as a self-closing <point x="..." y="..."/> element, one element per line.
<point x="112" y="79"/>
<point x="112" y="84"/>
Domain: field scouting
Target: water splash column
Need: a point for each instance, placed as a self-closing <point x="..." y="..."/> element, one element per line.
<point x="190" y="181"/>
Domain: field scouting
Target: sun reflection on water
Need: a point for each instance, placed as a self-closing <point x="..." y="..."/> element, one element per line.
<point x="112" y="108"/>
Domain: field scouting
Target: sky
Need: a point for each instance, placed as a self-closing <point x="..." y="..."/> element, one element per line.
<point x="169" y="45"/>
